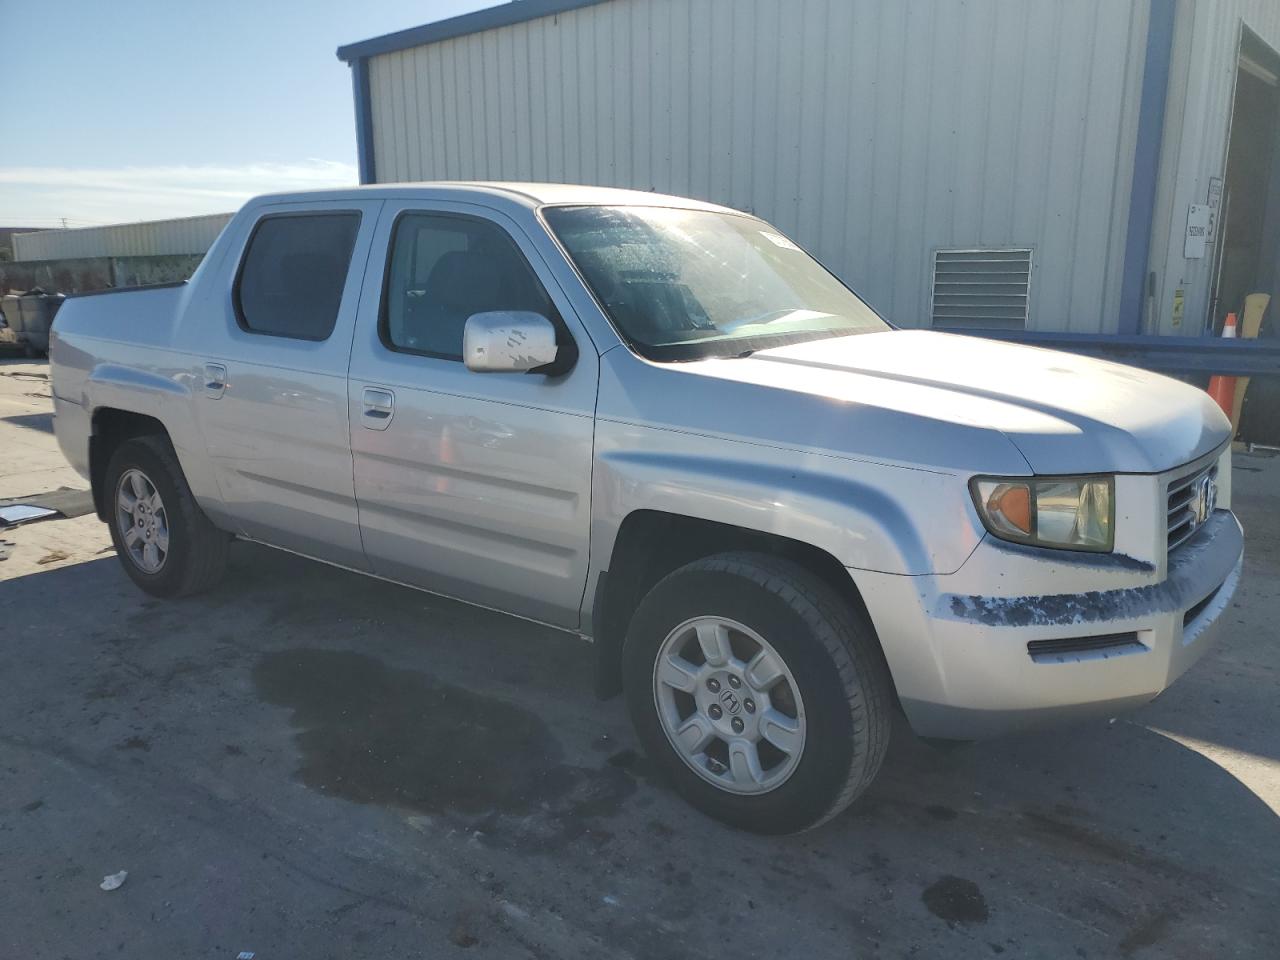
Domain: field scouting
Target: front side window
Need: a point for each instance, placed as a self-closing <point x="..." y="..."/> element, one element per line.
<point x="690" y="284"/>
<point x="293" y="273"/>
<point x="443" y="269"/>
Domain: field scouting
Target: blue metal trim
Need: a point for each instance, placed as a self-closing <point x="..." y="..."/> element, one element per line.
<point x="1146" y="164"/>
<point x="364" y="120"/>
<point x="1180" y="355"/>
<point x="487" y="19"/>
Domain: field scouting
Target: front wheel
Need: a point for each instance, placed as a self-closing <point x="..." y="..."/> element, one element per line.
<point x="758" y="690"/>
<point x="167" y="545"/>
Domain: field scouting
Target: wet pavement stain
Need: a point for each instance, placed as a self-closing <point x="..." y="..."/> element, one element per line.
<point x="1146" y="934"/>
<point x="378" y="735"/>
<point x="956" y="900"/>
<point x="1082" y="843"/>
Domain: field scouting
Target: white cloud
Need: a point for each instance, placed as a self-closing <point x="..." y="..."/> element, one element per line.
<point x="42" y="196"/>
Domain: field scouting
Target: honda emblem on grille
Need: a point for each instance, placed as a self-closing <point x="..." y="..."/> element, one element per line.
<point x="1205" y="500"/>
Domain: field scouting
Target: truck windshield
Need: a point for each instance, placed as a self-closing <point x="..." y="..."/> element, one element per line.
<point x="692" y="284"/>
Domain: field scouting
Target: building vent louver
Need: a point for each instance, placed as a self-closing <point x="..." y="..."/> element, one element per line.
<point x="981" y="289"/>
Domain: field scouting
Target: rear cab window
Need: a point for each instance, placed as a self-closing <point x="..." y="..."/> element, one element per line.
<point x="293" y="272"/>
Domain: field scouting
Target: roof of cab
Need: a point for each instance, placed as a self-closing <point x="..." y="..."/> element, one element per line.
<point x="531" y="195"/>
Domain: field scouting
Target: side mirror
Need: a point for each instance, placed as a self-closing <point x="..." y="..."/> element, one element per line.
<point x="508" y="341"/>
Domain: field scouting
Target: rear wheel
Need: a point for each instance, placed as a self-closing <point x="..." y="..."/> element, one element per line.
<point x="166" y="544"/>
<point x="758" y="690"/>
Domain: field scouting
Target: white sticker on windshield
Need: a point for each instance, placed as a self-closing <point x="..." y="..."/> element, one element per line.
<point x="778" y="240"/>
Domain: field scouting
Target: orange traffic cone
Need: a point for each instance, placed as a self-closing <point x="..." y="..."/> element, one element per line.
<point x="1223" y="389"/>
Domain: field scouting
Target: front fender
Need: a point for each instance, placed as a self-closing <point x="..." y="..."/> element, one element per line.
<point x="869" y="516"/>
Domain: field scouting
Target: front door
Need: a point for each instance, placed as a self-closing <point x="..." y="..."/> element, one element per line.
<point x="474" y="485"/>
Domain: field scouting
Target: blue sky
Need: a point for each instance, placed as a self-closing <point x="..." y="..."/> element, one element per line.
<point x="142" y="109"/>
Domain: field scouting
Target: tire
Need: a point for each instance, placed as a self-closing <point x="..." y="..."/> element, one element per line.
<point x="195" y="553"/>
<point x="841" y="704"/>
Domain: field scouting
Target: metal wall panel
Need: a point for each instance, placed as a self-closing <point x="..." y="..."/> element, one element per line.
<point x="189" y="235"/>
<point x="873" y="131"/>
<point x="1197" y="124"/>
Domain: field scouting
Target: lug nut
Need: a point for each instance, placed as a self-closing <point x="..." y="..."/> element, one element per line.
<point x="750" y="705"/>
<point x="713" y="684"/>
<point x="715" y="711"/>
<point x="734" y="682"/>
<point x="738" y="725"/>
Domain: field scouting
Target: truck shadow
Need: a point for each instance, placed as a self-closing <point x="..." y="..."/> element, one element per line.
<point x="33" y="421"/>
<point x="466" y="727"/>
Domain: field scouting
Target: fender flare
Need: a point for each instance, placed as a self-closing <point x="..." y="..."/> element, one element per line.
<point x="863" y="525"/>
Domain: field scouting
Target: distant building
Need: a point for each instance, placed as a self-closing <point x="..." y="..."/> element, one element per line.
<point x="97" y="258"/>
<point x="6" y="240"/>
<point x="1100" y="166"/>
<point x="153" y="238"/>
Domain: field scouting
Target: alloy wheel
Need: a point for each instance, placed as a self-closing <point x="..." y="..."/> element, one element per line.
<point x="729" y="705"/>
<point x="142" y="521"/>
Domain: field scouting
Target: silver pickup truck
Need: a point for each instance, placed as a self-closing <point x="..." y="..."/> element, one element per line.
<point x="661" y="425"/>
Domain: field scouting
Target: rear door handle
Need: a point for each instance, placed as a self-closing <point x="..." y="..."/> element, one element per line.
<point x="215" y="380"/>
<point x="379" y="407"/>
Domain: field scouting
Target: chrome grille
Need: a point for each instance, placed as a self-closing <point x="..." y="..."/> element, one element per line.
<point x="1183" y="505"/>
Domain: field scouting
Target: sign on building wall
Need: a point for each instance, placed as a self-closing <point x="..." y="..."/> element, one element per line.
<point x="1215" y="206"/>
<point x="1198" y="216"/>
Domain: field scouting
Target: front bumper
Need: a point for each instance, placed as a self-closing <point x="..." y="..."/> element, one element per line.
<point x="960" y="658"/>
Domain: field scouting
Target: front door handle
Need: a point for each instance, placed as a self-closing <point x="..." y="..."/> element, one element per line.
<point x="379" y="407"/>
<point x="215" y="380"/>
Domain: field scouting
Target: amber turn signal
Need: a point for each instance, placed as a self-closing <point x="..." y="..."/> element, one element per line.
<point x="1066" y="513"/>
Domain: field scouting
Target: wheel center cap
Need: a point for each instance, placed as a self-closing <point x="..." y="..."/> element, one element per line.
<point x="731" y="703"/>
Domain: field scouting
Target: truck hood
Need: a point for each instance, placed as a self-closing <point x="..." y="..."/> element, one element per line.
<point x="1065" y="413"/>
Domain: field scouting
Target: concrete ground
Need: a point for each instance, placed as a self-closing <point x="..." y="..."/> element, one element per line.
<point x="307" y="763"/>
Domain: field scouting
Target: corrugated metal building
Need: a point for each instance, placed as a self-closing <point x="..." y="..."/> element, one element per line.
<point x="155" y="238"/>
<point x="991" y="163"/>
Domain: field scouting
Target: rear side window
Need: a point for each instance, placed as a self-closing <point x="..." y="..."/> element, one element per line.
<point x="442" y="270"/>
<point x="293" y="272"/>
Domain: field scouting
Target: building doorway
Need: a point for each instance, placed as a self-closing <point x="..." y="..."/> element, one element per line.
<point x="1247" y="253"/>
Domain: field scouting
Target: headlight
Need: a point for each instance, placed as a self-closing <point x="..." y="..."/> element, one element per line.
<point x="1070" y="513"/>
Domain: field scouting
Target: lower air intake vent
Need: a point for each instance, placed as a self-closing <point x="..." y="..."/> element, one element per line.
<point x="1189" y="617"/>
<point x="1070" y="649"/>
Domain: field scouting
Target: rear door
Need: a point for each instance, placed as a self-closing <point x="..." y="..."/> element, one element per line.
<point x="474" y="485"/>
<point x="273" y="359"/>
